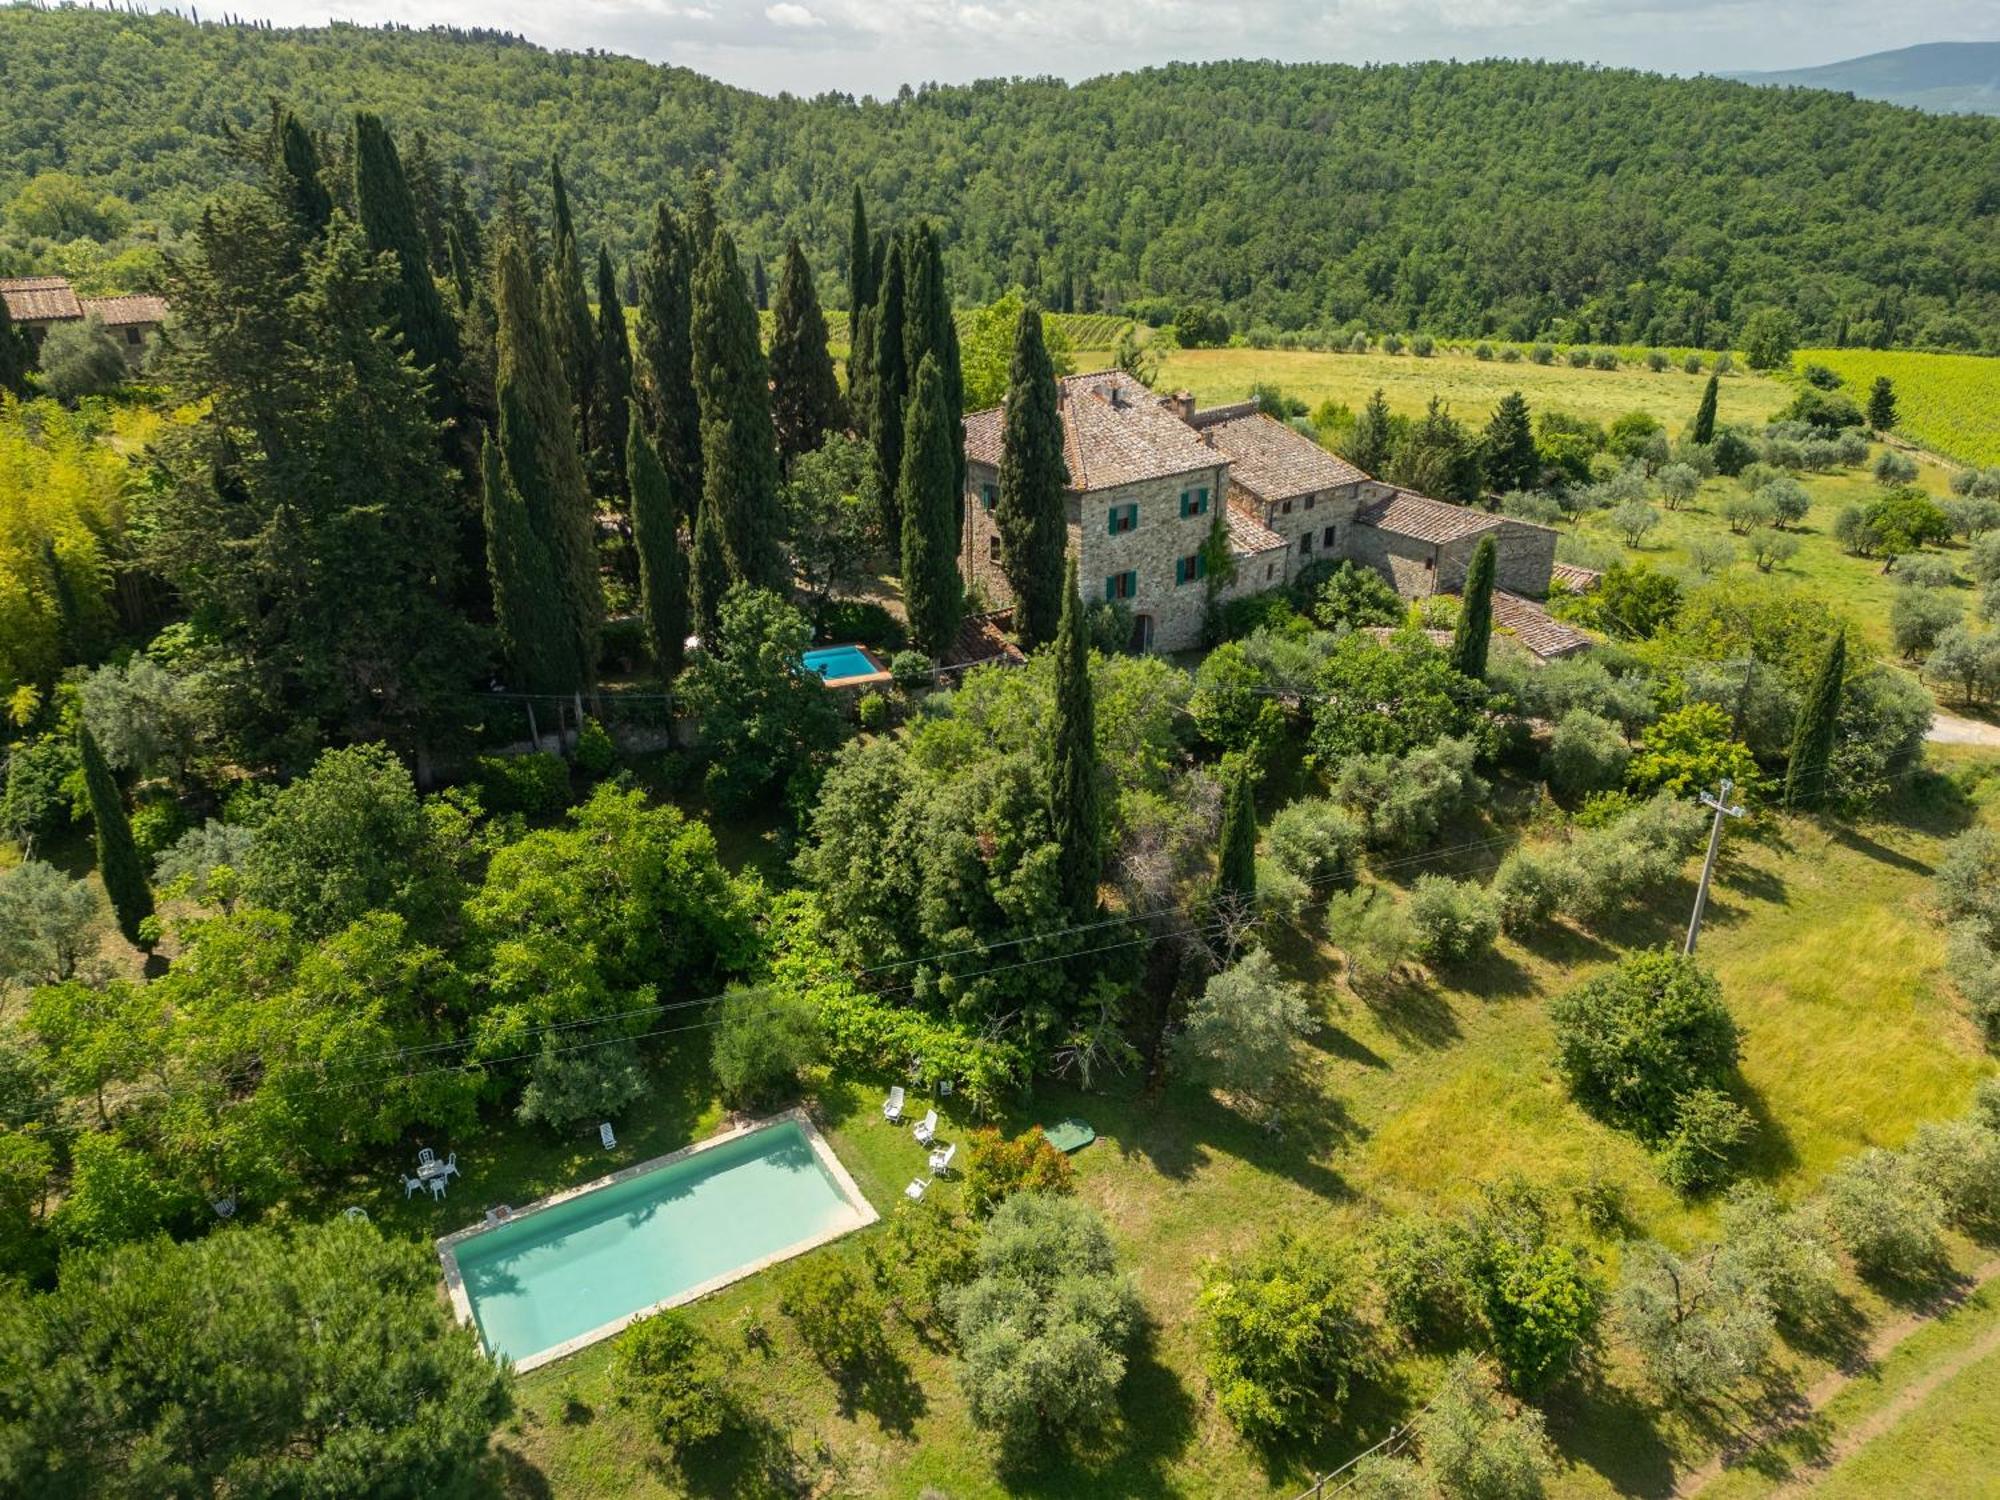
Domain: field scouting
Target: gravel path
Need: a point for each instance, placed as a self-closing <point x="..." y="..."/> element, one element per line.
<point x="1949" y="729"/>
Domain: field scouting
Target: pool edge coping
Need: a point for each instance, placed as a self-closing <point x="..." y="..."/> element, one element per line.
<point x="860" y="679"/>
<point x="866" y="1214"/>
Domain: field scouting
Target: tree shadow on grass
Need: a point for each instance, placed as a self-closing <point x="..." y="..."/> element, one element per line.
<point x="1853" y="838"/>
<point x="1770" y="1151"/>
<point x="1836" y="1333"/>
<point x="1374" y="1409"/>
<point x="753" y="1459"/>
<point x="1178" y="1138"/>
<point x="1615" y="1433"/>
<point x="1493" y="976"/>
<point x="1409" y="1010"/>
<point x="509" y="1474"/>
<point x="1129" y="1456"/>
<point x="1928" y="1290"/>
<point x="882" y="1386"/>
<point x="1337" y="1042"/>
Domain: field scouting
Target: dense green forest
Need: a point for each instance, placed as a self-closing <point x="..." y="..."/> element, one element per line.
<point x="1513" y="198"/>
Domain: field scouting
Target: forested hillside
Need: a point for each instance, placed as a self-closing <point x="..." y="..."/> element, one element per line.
<point x="1521" y="199"/>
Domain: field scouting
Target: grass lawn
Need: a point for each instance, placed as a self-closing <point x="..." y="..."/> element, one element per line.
<point x="1472" y="386"/>
<point x="1925" y="1419"/>
<point x="1829" y="957"/>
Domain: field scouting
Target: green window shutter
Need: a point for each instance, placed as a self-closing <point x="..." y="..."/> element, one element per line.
<point x="1131" y="583"/>
<point x="1110" y="588"/>
<point x="1184" y="504"/>
<point x="1180" y="570"/>
<point x="1111" y="521"/>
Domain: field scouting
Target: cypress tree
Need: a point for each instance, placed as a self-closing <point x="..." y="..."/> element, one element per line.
<point x="388" y="218"/>
<point x="613" y="360"/>
<point x="118" y="862"/>
<point x="860" y="280"/>
<point x="1882" y="404"/>
<point x="538" y="453"/>
<point x="1236" y="866"/>
<point x="1029" y="511"/>
<point x="1074" y="813"/>
<point x="805" y="397"/>
<point x="663" y="569"/>
<point x="575" y="334"/>
<point x="17" y="355"/>
<point x="1704" y="418"/>
<point x="739" y="455"/>
<point x="527" y="601"/>
<point x="427" y="194"/>
<point x="933" y="595"/>
<point x="709" y="579"/>
<point x="760" y="290"/>
<point x="928" y="328"/>
<point x="300" y="186"/>
<point x="1806" y="777"/>
<point x="1374" y="436"/>
<point x="466" y="222"/>
<point x="1473" y="634"/>
<point x="1511" y="463"/>
<point x="667" y="405"/>
<point x="889" y="382"/>
<point x="861" y="374"/>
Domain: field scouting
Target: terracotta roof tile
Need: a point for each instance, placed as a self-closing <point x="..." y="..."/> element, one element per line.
<point x="1535" y="627"/>
<point x="1114" y="432"/>
<point x="39" y="298"/>
<point x="1248" y="535"/>
<point x="119" y="312"/>
<point x="1579" y="580"/>
<point x="1407" y="513"/>
<point x="1275" y="462"/>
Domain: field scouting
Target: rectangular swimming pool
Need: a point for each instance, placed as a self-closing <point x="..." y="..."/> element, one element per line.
<point x="843" y="663"/>
<point x="580" y="1266"/>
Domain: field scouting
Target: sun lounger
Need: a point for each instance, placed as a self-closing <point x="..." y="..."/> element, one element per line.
<point x="605" y="1135"/>
<point x="941" y="1159"/>
<point x="892" y="1107"/>
<point x="915" y="1191"/>
<point x="926" y="1128"/>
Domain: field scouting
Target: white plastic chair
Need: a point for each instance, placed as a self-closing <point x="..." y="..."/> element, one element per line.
<point x="926" y="1128"/>
<point x="915" y="1191"/>
<point x="450" y="1166"/>
<point x="941" y="1159"/>
<point x="892" y="1107"/>
<point x="426" y="1156"/>
<point x="437" y="1188"/>
<point x="605" y="1135"/>
<point x="410" y="1185"/>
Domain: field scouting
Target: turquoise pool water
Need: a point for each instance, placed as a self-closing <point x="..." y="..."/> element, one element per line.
<point x="835" y="662"/>
<point x="564" y="1271"/>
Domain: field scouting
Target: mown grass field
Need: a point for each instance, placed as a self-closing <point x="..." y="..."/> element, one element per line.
<point x="1949" y="403"/>
<point x="1824" y="942"/>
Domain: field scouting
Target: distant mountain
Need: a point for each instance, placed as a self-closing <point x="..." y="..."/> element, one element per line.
<point x="1943" y="77"/>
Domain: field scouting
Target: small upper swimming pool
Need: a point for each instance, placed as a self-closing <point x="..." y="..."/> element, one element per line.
<point x="843" y="664"/>
<point x="582" y="1265"/>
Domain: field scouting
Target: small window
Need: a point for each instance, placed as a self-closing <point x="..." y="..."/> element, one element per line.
<point x="1306" y="544"/>
<point x="134" y="335"/>
<point x="1430" y="563"/>
<point x="1270" y="571"/>
<point x="1194" y="503"/>
<point x="1121" y="585"/>
<point x="993" y="548"/>
<point x="1326" y="539"/>
<point x="988" y="495"/>
<point x="1122" y="518"/>
<point x="1189" y="569"/>
<point x="1288" y="507"/>
<point x="1311" y="500"/>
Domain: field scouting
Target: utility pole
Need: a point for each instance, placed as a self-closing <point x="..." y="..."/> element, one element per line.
<point x="1720" y="802"/>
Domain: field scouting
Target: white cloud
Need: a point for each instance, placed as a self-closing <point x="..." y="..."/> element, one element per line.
<point x="787" y="14"/>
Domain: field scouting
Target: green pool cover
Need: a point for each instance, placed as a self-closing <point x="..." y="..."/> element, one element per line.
<point x="1069" y="1135"/>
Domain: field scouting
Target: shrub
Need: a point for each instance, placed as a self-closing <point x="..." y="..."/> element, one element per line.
<point x="1892" y="468"/>
<point x="1354" y="594"/>
<point x="1579" y="359"/>
<point x="764" y="1040"/>
<point x="922" y="1253"/>
<point x="1586" y="754"/>
<point x="1456" y="921"/>
<point x="1482" y="350"/>
<point x="37" y="805"/>
<point x="873" y="712"/>
<point x="911" y="671"/>
<point x="1423" y="346"/>
<point x="1392" y="343"/>
<point x="1541" y="1307"/>
<point x="1200" y="326"/>
<point x="1604" y="359"/>
<point x="1284" y="1334"/>
<point x="156" y="823"/>
<point x="1509" y="354"/>
<point x="1542" y="354"/>
<point x="1708" y="1127"/>
<point x="1690" y="749"/>
<point x="1529" y="888"/>
<point x="674" y="1378"/>
<point x="1924" y="570"/>
<point x="1967" y="883"/>
<point x="1044" y="1327"/>
<point x="1692" y="364"/>
<point x="1316" y="839"/>
<point x="81" y="359"/>
<point x="1960" y="1159"/>
<point x="595" y="754"/>
<point x="996" y="1168"/>
<point x="1890" y="1219"/>
<point x="536" y="784"/>
<point x="1404" y="802"/>
<point x="1656" y="360"/>
<point x="1632" y="1041"/>
<point x="860" y="620"/>
<point x="838" y="1315"/>
<point x="1478" y="1445"/>
<point x="1424" y="1268"/>
<point x="1733" y="452"/>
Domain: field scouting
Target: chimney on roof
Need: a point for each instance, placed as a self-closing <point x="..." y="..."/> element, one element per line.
<point x="1181" y="404"/>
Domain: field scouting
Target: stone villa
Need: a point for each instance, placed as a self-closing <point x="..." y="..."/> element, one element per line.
<point x="37" y="303"/>
<point x="1146" y="472"/>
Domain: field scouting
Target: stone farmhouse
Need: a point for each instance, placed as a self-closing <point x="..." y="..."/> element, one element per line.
<point x="1148" y="471"/>
<point x="38" y="303"/>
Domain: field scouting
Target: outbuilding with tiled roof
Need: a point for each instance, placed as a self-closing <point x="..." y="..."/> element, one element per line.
<point x="34" y="302"/>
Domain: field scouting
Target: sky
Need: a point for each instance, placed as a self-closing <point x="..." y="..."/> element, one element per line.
<point x="875" y="46"/>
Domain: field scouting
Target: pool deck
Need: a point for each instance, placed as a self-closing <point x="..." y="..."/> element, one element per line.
<point x="461" y="1302"/>
<point x="880" y="674"/>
